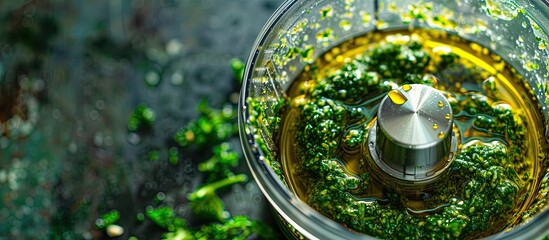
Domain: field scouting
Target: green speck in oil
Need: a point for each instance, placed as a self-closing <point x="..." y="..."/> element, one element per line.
<point x="345" y="25"/>
<point x="326" y="12"/>
<point x="531" y="66"/>
<point x="292" y="53"/>
<point x="325" y="35"/>
<point x="307" y="53"/>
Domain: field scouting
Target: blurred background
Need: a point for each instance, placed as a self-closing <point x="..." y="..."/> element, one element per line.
<point x="72" y="74"/>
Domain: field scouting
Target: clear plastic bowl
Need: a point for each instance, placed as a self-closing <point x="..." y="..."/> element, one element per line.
<point x="518" y="31"/>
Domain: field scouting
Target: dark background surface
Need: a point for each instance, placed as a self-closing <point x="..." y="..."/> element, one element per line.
<point x="73" y="71"/>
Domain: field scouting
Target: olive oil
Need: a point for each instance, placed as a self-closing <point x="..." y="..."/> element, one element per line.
<point x="493" y="109"/>
<point x="397" y="97"/>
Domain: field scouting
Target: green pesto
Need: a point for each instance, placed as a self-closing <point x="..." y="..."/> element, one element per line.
<point x="264" y="122"/>
<point x="483" y="183"/>
<point x="542" y="198"/>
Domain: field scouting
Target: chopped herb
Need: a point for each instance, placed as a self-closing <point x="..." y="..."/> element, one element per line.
<point x="220" y="164"/>
<point x="237" y="66"/>
<point x="205" y="203"/>
<point x="210" y="128"/>
<point x="143" y="116"/>
<point x="107" y="219"/>
<point x="165" y="218"/>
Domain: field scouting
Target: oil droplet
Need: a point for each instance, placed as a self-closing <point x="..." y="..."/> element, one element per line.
<point x="435" y="126"/>
<point x="299" y="101"/>
<point x="447" y="116"/>
<point x="397" y="97"/>
<point x="406" y="87"/>
<point x="440" y="134"/>
<point x="440" y="104"/>
<point x="541" y="45"/>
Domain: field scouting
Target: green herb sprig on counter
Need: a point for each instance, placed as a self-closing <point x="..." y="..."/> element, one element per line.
<point x="204" y="200"/>
<point x="211" y="127"/>
<point x="211" y="131"/>
<point x="239" y="227"/>
<point x="142" y="117"/>
<point x="107" y="219"/>
<point x="219" y="165"/>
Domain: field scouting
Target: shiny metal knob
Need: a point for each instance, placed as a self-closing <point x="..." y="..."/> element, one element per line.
<point x="412" y="139"/>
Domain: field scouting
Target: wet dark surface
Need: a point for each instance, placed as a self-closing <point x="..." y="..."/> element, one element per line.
<point x="71" y="74"/>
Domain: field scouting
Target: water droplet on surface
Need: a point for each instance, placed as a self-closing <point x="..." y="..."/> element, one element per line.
<point x="447" y="116"/>
<point x="39" y="85"/>
<point x="94" y="115"/>
<point x="435" y="126"/>
<point x="100" y="104"/>
<point x="160" y="196"/>
<point x="133" y="138"/>
<point x="256" y="198"/>
<point x="174" y="47"/>
<point x="73" y="147"/>
<point x="98" y="139"/>
<point x="152" y="79"/>
<point x="440" y="104"/>
<point x="397" y="97"/>
<point x="406" y="87"/>
<point x="177" y="78"/>
<point x="56" y="114"/>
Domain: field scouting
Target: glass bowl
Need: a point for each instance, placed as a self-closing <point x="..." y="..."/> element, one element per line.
<point x="300" y="31"/>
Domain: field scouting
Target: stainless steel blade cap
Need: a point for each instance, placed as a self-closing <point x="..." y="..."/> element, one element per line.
<point x="412" y="138"/>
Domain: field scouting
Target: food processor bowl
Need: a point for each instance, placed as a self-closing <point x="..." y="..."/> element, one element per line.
<point x="300" y="31"/>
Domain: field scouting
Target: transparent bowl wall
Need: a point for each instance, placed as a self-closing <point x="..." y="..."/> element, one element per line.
<point x="516" y="30"/>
